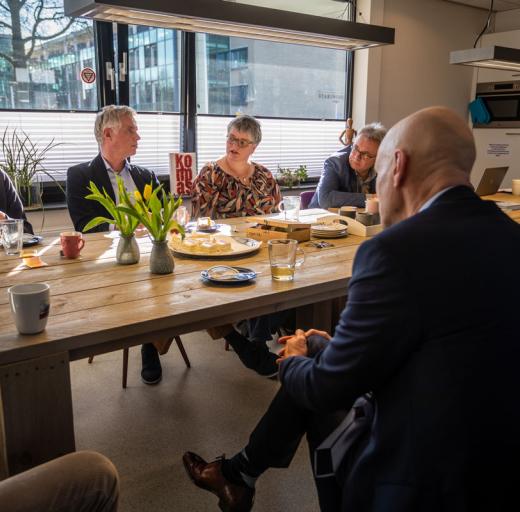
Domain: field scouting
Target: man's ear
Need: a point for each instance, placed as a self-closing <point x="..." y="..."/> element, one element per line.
<point x="107" y="133"/>
<point x="400" y="169"/>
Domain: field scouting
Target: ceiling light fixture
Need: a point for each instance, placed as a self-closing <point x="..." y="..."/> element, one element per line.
<point x="235" y="19"/>
<point x="495" y="57"/>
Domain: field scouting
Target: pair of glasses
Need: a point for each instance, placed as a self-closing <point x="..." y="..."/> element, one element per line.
<point x="364" y="155"/>
<point x="241" y="143"/>
<point x="320" y="245"/>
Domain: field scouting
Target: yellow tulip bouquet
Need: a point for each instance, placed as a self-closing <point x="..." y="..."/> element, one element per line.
<point x="153" y="209"/>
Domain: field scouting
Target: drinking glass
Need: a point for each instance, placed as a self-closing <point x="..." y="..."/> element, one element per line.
<point x="284" y="257"/>
<point x="290" y="205"/>
<point x="11" y="233"/>
<point x="182" y="216"/>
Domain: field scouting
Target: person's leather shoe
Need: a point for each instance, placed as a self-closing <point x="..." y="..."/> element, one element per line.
<point x="208" y="476"/>
<point x="151" y="372"/>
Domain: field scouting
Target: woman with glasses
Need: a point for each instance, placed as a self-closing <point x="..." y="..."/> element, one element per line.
<point x="234" y="186"/>
<point x="349" y="174"/>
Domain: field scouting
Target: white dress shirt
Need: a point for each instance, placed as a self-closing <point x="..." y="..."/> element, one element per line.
<point x="127" y="180"/>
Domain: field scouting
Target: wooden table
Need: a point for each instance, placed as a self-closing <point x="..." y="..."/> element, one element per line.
<point x="98" y="306"/>
<point x="506" y="198"/>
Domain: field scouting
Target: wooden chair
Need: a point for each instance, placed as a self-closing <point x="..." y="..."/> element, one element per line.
<point x="180" y="346"/>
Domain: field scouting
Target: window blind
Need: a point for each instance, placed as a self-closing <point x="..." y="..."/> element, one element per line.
<point x="285" y="142"/>
<point x="75" y="133"/>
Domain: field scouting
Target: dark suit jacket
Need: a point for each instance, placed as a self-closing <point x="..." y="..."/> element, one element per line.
<point x="431" y="326"/>
<point x="82" y="210"/>
<point x="338" y="184"/>
<point x="10" y="202"/>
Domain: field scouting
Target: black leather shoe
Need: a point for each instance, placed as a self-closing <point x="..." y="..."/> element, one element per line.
<point x="208" y="476"/>
<point x="152" y="371"/>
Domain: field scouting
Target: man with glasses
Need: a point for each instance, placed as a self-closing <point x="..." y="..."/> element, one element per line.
<point x="349" y="174"/>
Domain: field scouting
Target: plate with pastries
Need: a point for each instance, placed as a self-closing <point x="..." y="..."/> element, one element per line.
<point x="203" y="225"/>
<point x="208" y="245"/>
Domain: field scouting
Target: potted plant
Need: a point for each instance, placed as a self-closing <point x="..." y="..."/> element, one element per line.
<point x="154" y="209"/>
<point x="127" y="251"/>
<point x="289" y="178"/>
<point x="23" y="161"/>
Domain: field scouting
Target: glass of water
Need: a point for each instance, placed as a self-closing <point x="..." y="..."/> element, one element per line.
<point x="284" y="256"/>
<point x="11" y="233"/>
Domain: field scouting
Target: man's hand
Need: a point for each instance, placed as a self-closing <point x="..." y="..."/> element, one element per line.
<point x="294" y="345"/>
<point x="323" y="334"/>
<point x="3" y="216"/>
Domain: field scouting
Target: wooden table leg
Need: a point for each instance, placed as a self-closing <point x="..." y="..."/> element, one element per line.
<point x="36" y="413"/>
<point x="317" y="316"/>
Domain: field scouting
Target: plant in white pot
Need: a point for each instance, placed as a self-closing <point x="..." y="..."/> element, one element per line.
<point x="23" y="161"/>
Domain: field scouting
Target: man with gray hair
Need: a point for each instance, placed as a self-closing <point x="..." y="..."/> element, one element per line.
<point x="349" y="174"/>
<point x="116" y="133"/>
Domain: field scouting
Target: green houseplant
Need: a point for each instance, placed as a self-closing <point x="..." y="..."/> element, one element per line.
<point x="23" y="161"/>
<point x="287" y="177"/>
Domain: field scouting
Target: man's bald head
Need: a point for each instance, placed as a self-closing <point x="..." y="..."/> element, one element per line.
<point x="426" y="152"/>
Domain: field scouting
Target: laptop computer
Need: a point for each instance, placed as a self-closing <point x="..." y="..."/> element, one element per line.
<point x="491" y="181"/>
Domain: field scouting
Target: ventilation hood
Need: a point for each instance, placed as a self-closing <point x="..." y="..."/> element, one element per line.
<point x="235" y="19"/>
<point x="495" y="57"/>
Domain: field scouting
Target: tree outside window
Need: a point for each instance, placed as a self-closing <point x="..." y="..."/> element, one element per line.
<point x="42" y="53"/>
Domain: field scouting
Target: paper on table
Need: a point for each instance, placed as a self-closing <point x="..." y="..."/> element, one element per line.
<point x="34" y="262"/>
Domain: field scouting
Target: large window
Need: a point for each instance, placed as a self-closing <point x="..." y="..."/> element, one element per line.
<point x="154" y="57"/>
<point x="299" y="93"/>
<point x="42" y="53"/>
<point x="270" y="79"/>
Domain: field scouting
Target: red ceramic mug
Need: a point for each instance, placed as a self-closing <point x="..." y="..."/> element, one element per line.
<point x="71" y="243"/>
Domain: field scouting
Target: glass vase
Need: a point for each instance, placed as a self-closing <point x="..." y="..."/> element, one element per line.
<point x="161" y="258"/>
<point x="127" y="252"/>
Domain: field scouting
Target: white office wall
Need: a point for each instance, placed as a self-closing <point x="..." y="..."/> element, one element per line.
<point x="414" y="72"/>
<point x="507" y="20"/>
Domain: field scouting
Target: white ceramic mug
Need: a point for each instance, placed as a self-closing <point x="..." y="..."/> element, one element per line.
<point x="30" y="304"/>
<point x="516" y="187"/>
<point x="290" y="205"/>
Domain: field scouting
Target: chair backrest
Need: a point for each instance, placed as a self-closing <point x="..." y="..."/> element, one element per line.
<point x="306" y="198"/>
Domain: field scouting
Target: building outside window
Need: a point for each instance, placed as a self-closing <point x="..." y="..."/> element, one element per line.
<point x="154" y="69"/>
<point x="281" y="80"/>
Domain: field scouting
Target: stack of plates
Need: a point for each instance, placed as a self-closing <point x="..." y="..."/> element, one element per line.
<point x="334" y="230"/>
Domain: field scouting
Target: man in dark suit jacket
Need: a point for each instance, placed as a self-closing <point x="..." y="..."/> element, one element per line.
<point x="116" y="133"/>
<point x="10" y="204"/>
<point x="430" y="328"/>
<point x="83" y="210"/>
